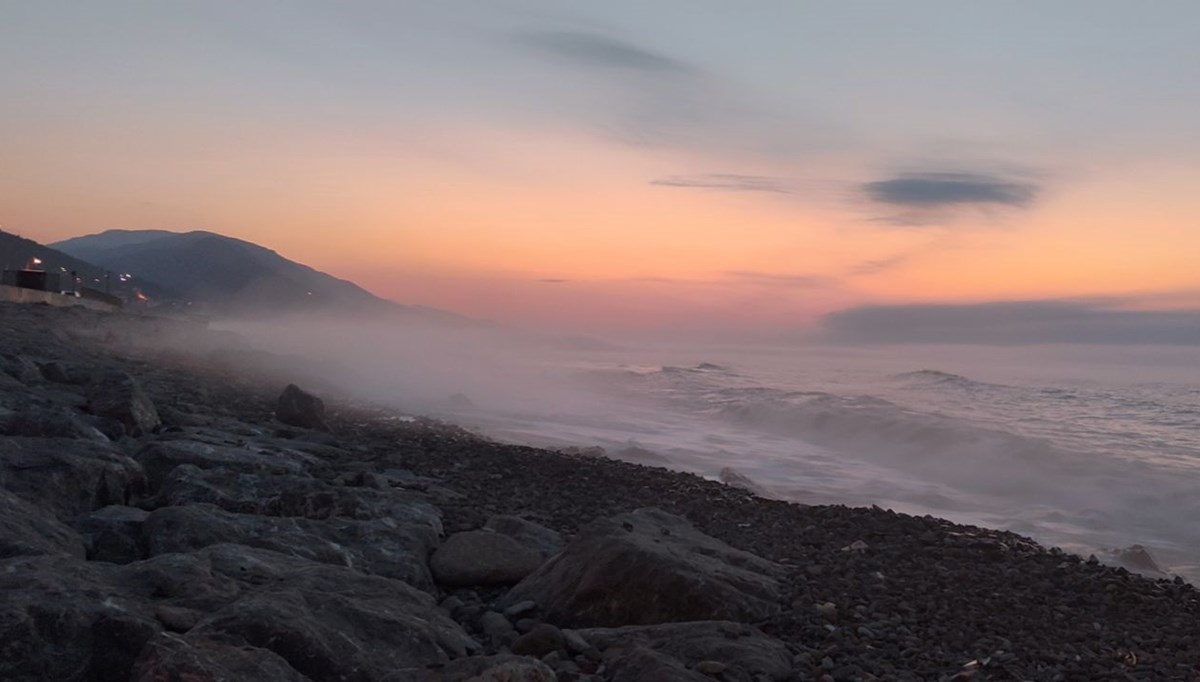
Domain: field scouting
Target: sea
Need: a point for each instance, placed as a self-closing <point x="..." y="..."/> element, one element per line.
<point x="1092" y="448"/>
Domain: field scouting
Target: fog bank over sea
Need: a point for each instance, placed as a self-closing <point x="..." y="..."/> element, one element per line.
<point x="1092" y="448"/>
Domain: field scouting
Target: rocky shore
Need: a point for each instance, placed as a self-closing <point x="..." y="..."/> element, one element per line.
<point x="173" y="508"/>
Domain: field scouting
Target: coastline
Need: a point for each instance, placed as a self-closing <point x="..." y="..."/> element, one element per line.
<point x="860" y="593"/>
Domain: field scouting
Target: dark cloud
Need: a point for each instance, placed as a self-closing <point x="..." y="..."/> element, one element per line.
<point x="937" y="190"/>
<point x="1013" y="322"/>
<point x="728" y="182"/>
<point x="591" y="49"/>
<point x="552" y="280"/>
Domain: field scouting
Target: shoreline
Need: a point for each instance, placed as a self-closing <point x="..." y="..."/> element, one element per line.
<point x="860" y="593"/>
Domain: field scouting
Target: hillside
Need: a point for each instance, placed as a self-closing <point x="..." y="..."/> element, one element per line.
<point x="18" y="252"/>
<point x="226" y="275"/>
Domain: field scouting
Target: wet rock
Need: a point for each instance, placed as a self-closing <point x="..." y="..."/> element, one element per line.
<point x="60" y="620"/>
<point x="119" y="397"/>
<point x="160" y="458"/>
<point x="731" y="477"/>
<point x="691" y="651"/>
<point x="297" y="407"/>
<point x="482" y="558"/>
<point x="1138" y="558"/>
<point x="381" y="546"/>
<point x="170" y="658"/>
<point x="113" y="533"/>
<point x="528" y="534"/>
<point x="68" y="477"/>
<point x="26" y="530"/>
<point x="650" y="567"/>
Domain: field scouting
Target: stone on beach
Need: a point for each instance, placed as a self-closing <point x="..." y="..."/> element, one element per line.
<point x="482" y="557"/>
<point x="119" y="397"/>
<point x="647" y="567"/>
<point x="297" y="407"/>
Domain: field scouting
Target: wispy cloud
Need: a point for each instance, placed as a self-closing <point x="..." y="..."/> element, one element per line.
<point x="872" y="267"/>
<point x="728" y="182"/>
<point x="553" y="280"/>
<point x="595" y="50"/>
<point x="783" y="279"/>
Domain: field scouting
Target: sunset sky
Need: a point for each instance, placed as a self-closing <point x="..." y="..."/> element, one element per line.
<point x="689" y="163"/>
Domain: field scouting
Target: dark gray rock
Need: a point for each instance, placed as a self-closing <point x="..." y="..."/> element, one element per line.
<point x="169" y="658"/>
<point x="161" y="457"/>
<point x="50" y="422"/>
<point x="331" y="623"/>
<point x="380" y="546"/>
<point x="673" y="651"/>
<point x="297" y="407"/>
<point x="68" y="477"/>
<point x="20" y="368"/>
<point x="58" y="373"/>
<point x="542" y="639"/>
<point x="26" y="530"/>
<point x="187" y="581"/>
<point x="113" y="534"/>
<point x="481" y="557"/>
<point x="119" y="397"/>
<point x="531" y="535"/>
<point x="650" y="567"/>
<point x="498" y="668"/>
<point x="287" y="495"/>
<point x="61" y="620"/>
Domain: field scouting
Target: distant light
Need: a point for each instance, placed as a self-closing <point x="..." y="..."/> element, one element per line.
<point x="37" y="261"/>
<point x="310" y="293"/>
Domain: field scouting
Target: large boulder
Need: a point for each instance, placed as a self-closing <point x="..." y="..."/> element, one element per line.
<point x="49" y="422"/>
<point x="119" y="397"/>
<point x="298" y="407"/>
<point x="113" y="533"/>
<point x="26" y="530"/>
<point x="61" y="620"/>
<point x="328" y="622"/>
<point x="528" y="534"/>
<point x="289" y="495"/>
<point x="691" y="652"/>
<point x="68" y="477"/>
<point x="171" y="658"/>
<point x="161" y="457"/>
<point x="481" y="557"/>
<point x="379" y="546"/>
<point x="649" y="567"/>
<point x="497" y="668"/>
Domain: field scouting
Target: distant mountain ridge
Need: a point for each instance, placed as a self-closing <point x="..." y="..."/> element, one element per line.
<point x="226" y="275"/>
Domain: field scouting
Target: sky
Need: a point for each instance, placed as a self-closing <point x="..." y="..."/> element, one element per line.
<point x="688" y="164"/>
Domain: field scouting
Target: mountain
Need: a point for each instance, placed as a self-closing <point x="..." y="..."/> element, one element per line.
<point x="224" y="274"/>
<point x="18" y="252"/>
